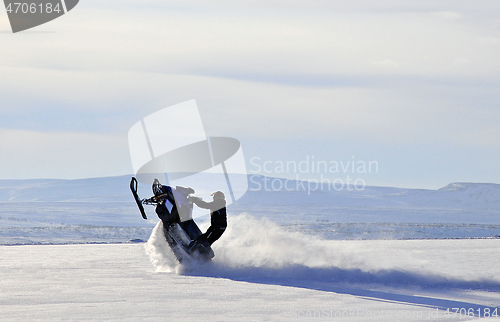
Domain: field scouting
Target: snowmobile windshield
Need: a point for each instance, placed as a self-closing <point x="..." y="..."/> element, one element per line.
<point x="184" y="206"/>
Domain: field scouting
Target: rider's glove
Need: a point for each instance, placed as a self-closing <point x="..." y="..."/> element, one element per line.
<point x="194" y="198"/>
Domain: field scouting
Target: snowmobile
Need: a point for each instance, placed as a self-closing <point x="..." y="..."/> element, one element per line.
<point x="174" y="207"/>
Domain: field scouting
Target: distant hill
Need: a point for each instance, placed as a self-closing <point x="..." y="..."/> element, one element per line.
<point x="81" y="208"/>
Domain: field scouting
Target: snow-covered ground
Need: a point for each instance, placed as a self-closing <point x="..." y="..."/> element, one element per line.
<point x="380" y="254"/>
<point x="385" y="280"/>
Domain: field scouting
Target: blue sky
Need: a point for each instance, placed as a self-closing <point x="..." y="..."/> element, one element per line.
<point x="411" y="85"/>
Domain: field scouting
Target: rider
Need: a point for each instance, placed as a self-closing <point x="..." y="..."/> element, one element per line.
<point x="218" y="218"/>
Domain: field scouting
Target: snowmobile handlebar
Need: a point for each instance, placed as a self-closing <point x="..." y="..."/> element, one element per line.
<point x="150" y="201"/>
<point x="154" y="200"/>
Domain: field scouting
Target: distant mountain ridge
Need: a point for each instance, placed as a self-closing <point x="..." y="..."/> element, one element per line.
<point x="102" y="210"/>
<point x="115" y="189"/>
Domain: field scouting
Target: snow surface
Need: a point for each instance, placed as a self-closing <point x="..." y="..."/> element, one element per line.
<point x="374" y="255"/>
<point x="278" y="280"/>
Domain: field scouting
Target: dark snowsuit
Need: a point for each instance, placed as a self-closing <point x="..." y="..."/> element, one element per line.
<point x="218" y="219"/>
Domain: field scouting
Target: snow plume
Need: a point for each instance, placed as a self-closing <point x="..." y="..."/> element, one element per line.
<point x="258" y="250"/>
<point x="251" y="242"/>
<point x="159" y="252"/>
<point x="248" y="242"/>
<point x="259" y="242"/>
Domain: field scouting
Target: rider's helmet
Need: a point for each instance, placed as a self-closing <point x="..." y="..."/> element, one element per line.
<point x="157" y="188"/>
<point x="218" y="195"/>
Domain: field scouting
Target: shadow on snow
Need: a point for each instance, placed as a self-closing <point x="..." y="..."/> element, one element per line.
<point x="358" y="283"/>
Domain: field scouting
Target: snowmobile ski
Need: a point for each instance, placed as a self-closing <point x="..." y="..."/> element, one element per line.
<point x="133" y="187"/>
